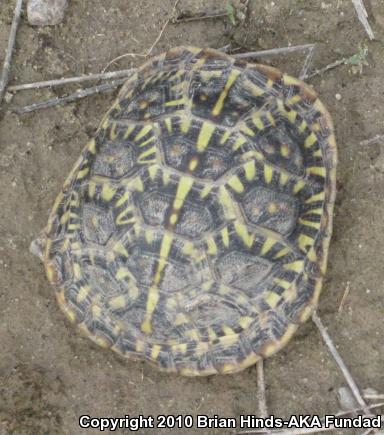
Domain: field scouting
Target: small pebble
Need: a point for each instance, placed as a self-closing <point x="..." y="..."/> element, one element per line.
<point x="346" y="400"/>
<point x="8" y="97"/>
<point x="338" y="97"/>
<point x="46" y="12"/>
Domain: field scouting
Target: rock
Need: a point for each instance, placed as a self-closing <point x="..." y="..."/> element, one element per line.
<point x="8" y="97"/>
<point x="46" y="12"/>
<point x="346" y="399"/>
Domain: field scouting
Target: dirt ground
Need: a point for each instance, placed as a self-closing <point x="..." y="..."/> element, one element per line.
<point x="49" y="373"/>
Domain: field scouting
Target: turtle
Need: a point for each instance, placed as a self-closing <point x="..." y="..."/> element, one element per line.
<point x="193" y="231"/>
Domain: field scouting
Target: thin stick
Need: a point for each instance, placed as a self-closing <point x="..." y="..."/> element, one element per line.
<point x="274" y="51"/>
<point x="284" y="432"/>
<point x="261" y="389"/>
<point x="325" y="69"/>
<point x="202" y="16"/>
<point x="65" y="81"/>
<point x="344" y="298"/>
<point x="164" y="27"/>
<point x="370" y="396"/>
<point x="69" y="98"/>
<point x="11" y="43"/>
<point x="307" y="63"/>
<point x="148" y="51"/>
<point x="108" y="75"/>
<point x="347" y="375"/>
<point x="363" y="17"/>
<point x="373" y="140"/>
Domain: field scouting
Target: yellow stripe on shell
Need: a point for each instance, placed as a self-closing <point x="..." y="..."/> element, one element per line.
<point x="205" y="135"/>
<point x="295" y="266"/>
<point x="242" y="232"/>
<point x="316" y="170"/>
<point x="236" y="184"/>
<point x="143" y="132"/>
<point x="225" y="236"/>
<point x="268" y="245"/>
<point x="268" y="173"/>
<point x="184" y="186"/>
<point x="298" y="186"/>
<point x="224" y="93"/>
<point x="272" y="298"/>
<point x="250" y="170"/>
<point x="310" y="140"/>
<point x="317" y="197"/>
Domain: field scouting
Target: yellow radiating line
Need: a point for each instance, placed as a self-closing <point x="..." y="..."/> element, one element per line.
<point x="92" y="146"/>
<point x="309" y="223"/>
<point x="145" y="154"/>
<point x="242" y="232"/>
<point x="296" y="266"/>
<point x="267" y="245"/>
<point x="268" y="173"/>
<point x="168" y="124"/>
<point x="185" y="124"/>
<point x="220" y="102"/>
<point x="258" y="122"/>
<point x="183" y="188"/>
<point x="174" y="102"/>
<point x="303" y="126"/>
<point x="250" y="170"/>
<point x="153" y="292"/>
<point x="211" y="244"/>
<point x="146" y="129"/>
<point x="129" y="131"/>
<point x="146" y="142"/>
<point x="282" y="283"/>
<point x="284" y="178"/>
<point x="207" y="188"/>
<point x="225" y="137"/>
<point x="237" y="144"/>
<point x="245" y="129"/>
<point x="225" y="236"/>
<point x="236" y="184"/>
<point x="272" y="298"/>
<point x="282" y="253"/>
<point x="314" y="198"/>
<point x="81" y="174"/>
<point x="304" y="241"/>
<point x="298" y="186"/>
<point x="107" y="192"/>
<point x="152" y="170"/>
<point x="316" y="170"/>
<point x="310" y="140"/>
<point x="205" y="134"/>
<point x="256" y="91"/>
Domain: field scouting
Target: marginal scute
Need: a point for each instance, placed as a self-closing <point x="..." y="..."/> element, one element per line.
<point x="193" y="231"/>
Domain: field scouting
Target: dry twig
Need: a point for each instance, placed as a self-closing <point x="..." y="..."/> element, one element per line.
<point x="11" y="43"/>
<point x="374" y="140"/>
<point x="69" y="98"/>
<point x="307" y="63"/>
<point x="184" y="17"/>
<point x="363" y="17"/>
<point x="69" y="80"/>
<point x="261" y="389"/>
<point x="274" y="51"/>
<point x="320" y="71"/>
<point x="344" y="298"/>
<point x="332" y="348"/>
<point x="149" y="50"/>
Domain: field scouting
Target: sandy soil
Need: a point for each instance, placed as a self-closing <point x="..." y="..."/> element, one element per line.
<point x="49" y="374"/>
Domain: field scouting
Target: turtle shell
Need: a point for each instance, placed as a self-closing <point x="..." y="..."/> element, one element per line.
<point x="193" y="231"/>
